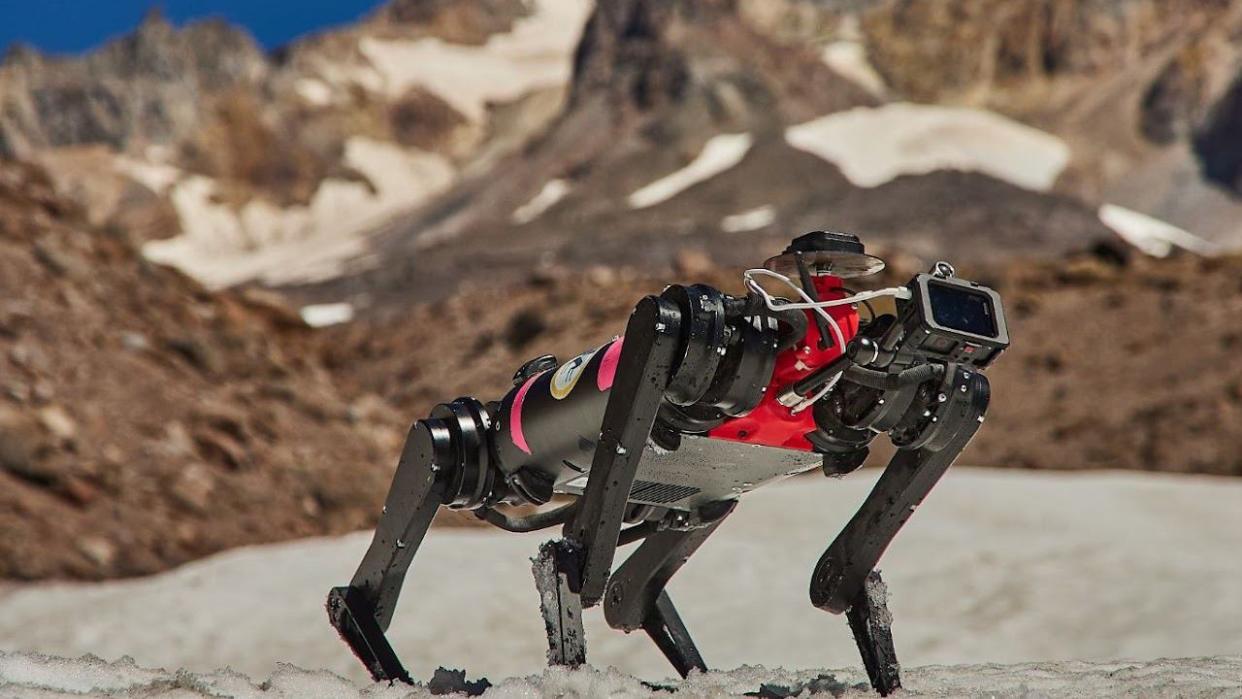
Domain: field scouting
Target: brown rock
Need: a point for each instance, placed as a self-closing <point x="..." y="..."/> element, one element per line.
<point x="42" y="391"/>
<point x="176" y="441"/>
<point x="601" y="275"/>
<point x="198" y="353"/>
<point x="56" y="421"/>
<point x="18" y="391"/>
<point x="17" y="449"/>
<point x="79" y="490"/>
<point x="693" y="263"/>
<point x="194" y="486"/>
<point x="58" y="261"/>
<point x="98" y="549"/>
<point x="524" y="327"/>
<point x="220" y="448"/>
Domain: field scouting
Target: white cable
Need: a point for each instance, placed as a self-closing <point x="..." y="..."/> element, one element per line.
<point x="817" y="306"/>
<point x="810" y="303"/>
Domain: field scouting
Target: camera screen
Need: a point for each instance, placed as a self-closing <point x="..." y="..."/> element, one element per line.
<point x="962" y="309"/>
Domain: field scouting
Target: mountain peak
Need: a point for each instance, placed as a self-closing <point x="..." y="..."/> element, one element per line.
<point x="19" y="53"/>
<point x="154" y="17"/>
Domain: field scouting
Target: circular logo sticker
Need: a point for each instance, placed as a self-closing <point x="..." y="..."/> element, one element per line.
<point x="566" y="377"/>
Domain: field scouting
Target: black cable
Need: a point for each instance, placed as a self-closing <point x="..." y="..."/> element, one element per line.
<point x="795" y="323"/>
<point x="816" y="379"/>
<point x="870" y="309"/>
<point x="528" y="523"/>
<point x="808" y="286"/>
<point x="884" y="381"/>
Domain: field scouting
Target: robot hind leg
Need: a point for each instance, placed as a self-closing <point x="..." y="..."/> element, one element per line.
<point x="362" y="610"/>
<point x="437" y="467"/>
<point x="636" y="598"/>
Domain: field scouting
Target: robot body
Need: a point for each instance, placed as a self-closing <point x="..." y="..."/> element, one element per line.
<point x="658" y="434"/>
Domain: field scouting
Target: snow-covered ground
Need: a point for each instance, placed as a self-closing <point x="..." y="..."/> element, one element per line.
<point x="720" y="153"/>
<point x="873" y="145"/>
<point x="25" y="675"/>
<point x="749" y="220"/>
<point x="552" y="192"/>
<point x="1151" y="235"/>
<point x="535" y="54"/>
<point x="996" y="567"/>
<point x="220" y="245"/>
<point x="847" y="55"/>
<point x="320" y="315"/>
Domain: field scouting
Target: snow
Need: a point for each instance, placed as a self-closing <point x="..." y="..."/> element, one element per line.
<point x="873" y="146"/>
<point x="537" y="53"/>
<point x="320" y="315"/>
<point x="996" y="567"/>
<point x="720" y="153"/>
<point x="156" y="176"/>
<point x="32" y="675"/>
<point x="847" y="56"/>
<point x="1151" y="235"/>
<point x="222" y="246"/>
<point x="551" y="193"/>
<point x="315" y="91"/>
<point x="749" y="220"/>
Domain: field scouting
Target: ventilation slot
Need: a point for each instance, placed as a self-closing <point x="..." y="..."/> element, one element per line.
<point x="661" y="493"/>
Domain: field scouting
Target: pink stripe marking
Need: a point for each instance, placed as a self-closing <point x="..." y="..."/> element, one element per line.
<point x="608" y="365"/>
<point x="515" y="430"/>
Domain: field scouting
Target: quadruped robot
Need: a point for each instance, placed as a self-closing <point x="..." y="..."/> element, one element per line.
<point x="656" y="436"/>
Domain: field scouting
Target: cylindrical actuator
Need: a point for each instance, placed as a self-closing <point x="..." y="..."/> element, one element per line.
<point x="551" y="421"/>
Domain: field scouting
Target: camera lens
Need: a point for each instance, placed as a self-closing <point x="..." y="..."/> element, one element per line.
<point x="960" y="309"/>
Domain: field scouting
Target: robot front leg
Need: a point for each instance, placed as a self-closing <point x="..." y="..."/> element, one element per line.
<point x="571" y="573"/>
<point x="845" y="580"/>
<point x="872" y="626"/>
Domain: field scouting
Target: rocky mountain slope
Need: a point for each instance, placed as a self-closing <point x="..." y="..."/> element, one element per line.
<point x="1113" y="365"/>
<point x="725" y="125"/>
<point x="276" y="167"/>
<point x="480" y="191"/>
<point x="478" y="139"/>
<point x="1141" y="89"/>
<point x="145" y="421"/>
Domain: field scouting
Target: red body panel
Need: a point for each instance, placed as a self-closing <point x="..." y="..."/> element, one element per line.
<point x="772" y="424"/>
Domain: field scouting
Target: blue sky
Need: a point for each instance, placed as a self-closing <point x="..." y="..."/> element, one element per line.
<point x="73" y="26"/>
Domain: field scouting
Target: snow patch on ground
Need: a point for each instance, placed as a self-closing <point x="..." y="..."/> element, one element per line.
<point x="321" y="315"/>
<point x="222" y="246"/>
<point x="873" y="146"/>
<point x="1151" y="235"/>
<point x="34" y="675"/>
<point x="315" y="91"/>
<point x="749" y="220"/>
<point x="551" y="193"/>
<point x="996" y="566"/>
<point x="156" y="176"/>
<point x="536" y="54"/>
<point x="847" y="56"/>
<point x="720" y="153"/>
